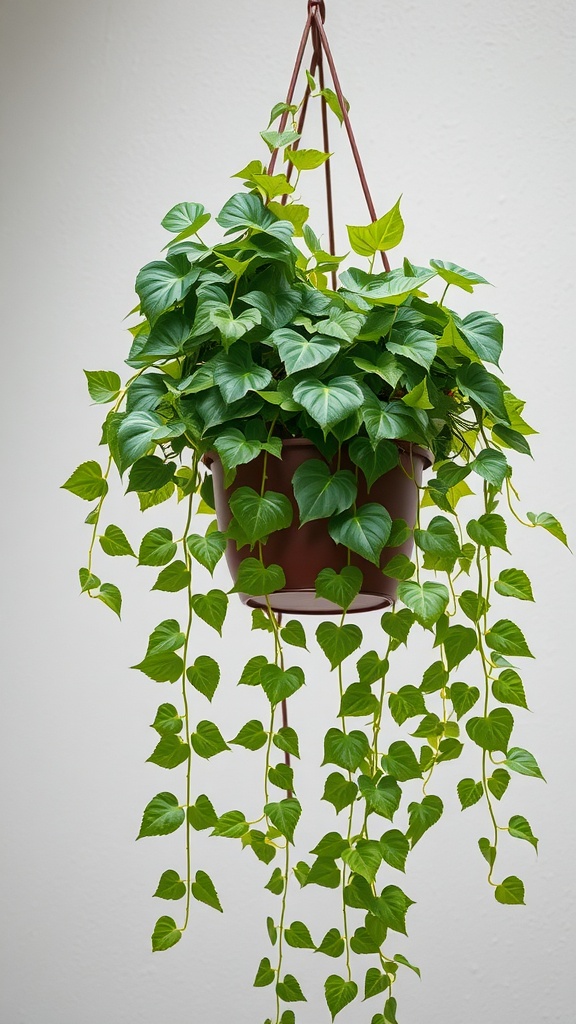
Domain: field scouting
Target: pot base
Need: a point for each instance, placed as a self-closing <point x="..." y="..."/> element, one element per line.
<point x="305" y="602"/>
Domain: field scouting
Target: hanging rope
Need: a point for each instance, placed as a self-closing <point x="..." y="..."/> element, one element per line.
<point x="315" y="27"/>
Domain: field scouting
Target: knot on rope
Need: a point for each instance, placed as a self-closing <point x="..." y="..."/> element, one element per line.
<point x="314" y="5"/>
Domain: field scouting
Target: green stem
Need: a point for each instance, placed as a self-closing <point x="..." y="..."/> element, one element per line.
<point x="187" y="726"/>
<point x="281" y="929"/>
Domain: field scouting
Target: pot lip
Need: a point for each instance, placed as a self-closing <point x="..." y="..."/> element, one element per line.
<point x="407" y="447"/>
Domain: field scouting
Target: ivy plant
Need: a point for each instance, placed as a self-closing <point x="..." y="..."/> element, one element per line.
<point x="238" y="345"/>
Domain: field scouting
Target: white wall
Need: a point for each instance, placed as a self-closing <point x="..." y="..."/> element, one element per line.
<point x="112" y="112"/>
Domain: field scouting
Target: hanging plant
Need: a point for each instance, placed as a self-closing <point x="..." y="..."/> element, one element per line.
<point x="317" y="405"/>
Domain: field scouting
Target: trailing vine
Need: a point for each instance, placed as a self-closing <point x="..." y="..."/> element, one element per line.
<point x="240" y="346"/>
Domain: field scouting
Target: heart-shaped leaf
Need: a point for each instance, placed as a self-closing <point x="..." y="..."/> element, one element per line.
<point x="493" y="731"/>
<point x="320" y="492"/>
<point x="365" y="531"/>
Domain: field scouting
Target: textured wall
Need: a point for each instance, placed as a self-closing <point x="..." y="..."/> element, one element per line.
<point x="112" y="112"/>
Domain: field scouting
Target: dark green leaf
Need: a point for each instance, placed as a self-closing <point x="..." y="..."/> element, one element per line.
<point x="284" y="816"/>
<point x="282" y="776"/>
<point x="339" y="792"/>
<point x="394" y="847"/>
<point x="339" y="993"/>
<point x="469" y="792"/>
<point x="150" y="474"/>
<point x="498" y="782"/>
<point x="338" y="642"/>
<point x="364" y="859"/>
<point x="375" y="982"/>
<point x="332" y="944"/>
<point x="167" y="720"/>
<point x="422" y="816"/>
<point x="400" y="762"/>
<point x="320" y="492"/>
<point x="382" y="797"/>
<point x="507" y="638"/>
<point x="358" y="701"/>
<point x="286" y="739"/>
<point x="339" y="587"/>
<point x="347" y="750"/>
<point x="365" y="531"/>
<point x="508" y="689"/>
<point x="300" y="353"/>
<point x="260" y="515"/>
<point x="293" y="633"/>
<point x="212" y="608"/>
<point x="328" y="403"/>
<point x="491" y="465"/>
<point x="202" y="815"/>
<point x="298" y="936"/>
<point x="173" y="577"/>
<point x="279" y="684"/>
<point x="391" y="907"/>
<point x="489" y="531"/>
<point x="493" y="731"/>
<point x="514" y="583"/>
<point x="170" y="886"/>
<point x="264" y="975"/>
<point x="256" y="579"/>
<point x="374" y="461"/>
<point x="481" y="387"/>
<point x="427" y="600"/>
<point x="207" y="550"/>
<point x="519" y="828"/>
<point x="231" y="825"/>
<point x="289" y="990"/>
<point x="406" y="703"/>
<point x="162" y="666"/>
<point x="276" y="883"/>
<point x="463" y="697"/>
<point x="252" y="735"/>
<point x="114" y="542"/>
<point x="111" y="597"/>
<point x="459" y="642"/>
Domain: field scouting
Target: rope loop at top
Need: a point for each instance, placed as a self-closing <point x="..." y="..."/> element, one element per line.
<point x="314" y="5"/>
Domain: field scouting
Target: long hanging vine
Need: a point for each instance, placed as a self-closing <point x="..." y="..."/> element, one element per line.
<point x="241" y="345"/>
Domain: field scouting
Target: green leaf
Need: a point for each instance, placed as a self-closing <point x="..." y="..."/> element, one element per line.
<point x="211" y="608"/>
<point x="236" y="374"/>
<point x="383" y="234"/>
<point x="331" y="845"/>
<point x="523" y="762"/>
<point x="365" y="531"/>
<point x="347" y="750"/>
<point x="255" y="578"/>
<point x="473" y="605"/>
<point x="207" y="550"/>
<point x="423" y="816"/>
<point x="548" y="523"/>
<point x="306" y="159"/>
<point x="157" y="547"/>
<point x="483" y="333"/>
<point x="328" y="403"/>
<point x="170" y="886"/>
<point x="324" y="872"/>
<point x="293" y="633"/>
<point x="298" y="936"/>
<point x="459" y="642"/>
<point x="374" y="461"/>
<point x="87" y="482"/>
<point x="319" y="491"/>
<point x="136" y="434"/>
<point x="332" y="944"/>
<point x="284" y="816"/>
<point x="339" y="792"/>
<point x="491" y="465"/>
<point x="289" y="990"/>
<point x="252" y="671"/>
<point x="463" y="697"/>
<point x="276" y="883"/>
<point x="204" y="891"/>
<point x="341" y="588"/>
<point x="394" y="847"/>
<point x="416" y="345"/>
<point x="514" y="583"/>
<point x="173" y="578"/>
<point x="231" y="825"/>
<point x="427" y="600"/>
<point x="488" y="530"/>
<point x="389" y="1016"/>
<point x="204" y="675"/>
<point x="87" y="581"/>
<point x="185" y="219"/>
<point x="439" y="539"/>
<point x="519" y="828"/>
<point x="252" y="735"/>
<point x="167" y="636"/>
<point x="391" y="907"/>
<point x="260" y="515"/>
<point x="453" y="274"/>
<point x="406" y="963"/>
<point x="508" y="689"/>
<point x="400" y="762"/>
<point x="487" y="851"/>
<point x="103" y="385"/>
<point x="167" y="720"/>
<point x="165" y="934"/>
<point x="493" y="731"/>
<point x="511" y="438"/>
<point x="170" y="752"/>
<point x="339" y="993"/>
<point x="406" y="703"/>
<point x="475" y="382"/>
<point x="279" y="684"/>
<point x="397" y="625"/>
<point x="300" y="353"/>
<point x="265" y="975"/>
<point x="382" y="797"/>
<point x="511" y="890"/>
<point x="111" y="597"/>
<point x="469" y="792"/>
<point x="162" y="816"/>
<point x="364" y="859"/>
<point x="358" y="701"/>
<point x="338" y="642"/>
<point x="207" y="740"/>
<point x="375" y="983"/>
<point x="161" y="666"/>
<point x="435" y="678"/>
<point x="150" y="474"/>
<point x="507" y="638"/>
<point x="498" y="782"/>
<point x="286" y="739"/>
<point x="202" y="815"/>
<point x="244" y="211"/>
<point x="282" y="776"/>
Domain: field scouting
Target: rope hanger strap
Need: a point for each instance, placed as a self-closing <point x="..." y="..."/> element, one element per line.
<point x="321" y="47"/>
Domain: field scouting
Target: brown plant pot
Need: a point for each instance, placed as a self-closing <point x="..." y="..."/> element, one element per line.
<point x="303" y="551"/>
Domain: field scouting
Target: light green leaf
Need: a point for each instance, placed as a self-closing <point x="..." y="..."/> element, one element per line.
<point x="207" y="550"/>
<point x="111" y="597"/>
<point x="491" y="465"/>
<point x="165" y="934"/>
<point x="514" y="583"/>
<point x="365" y="531"/>
<point x="161" y="666"/>
<point x="523" y="762"/>
<point x="185" y="219"/>
<point x="231" y="825"/>
<point x="167" y="720"/>
<point x="162" y="816"/>
<point x="422" y="817"/>
<point x="236" y="374"/>
<point x="320" y="492"/>
<point x="279" y="684"/>
<point x="204" y="675"/>
<point x="204" y="891"/>
<point x="170" y="752"/>
<point x="260" y="515"/>
<point x="252" y="736"/>
<point x="289" y="990"/>
<point x="207" y="740"/>
<point x="300" y="353"/>
<point x="170" y="886"/>
<point x="383" y="234"/>
<point x="276" y="883"/>
<point x="488" y="530"/>
<point x="463" y="697"/>
<point x="339" y="587"/>
<point x="202" y="815"/>
<point x="375" y="983"/>
<point x="212" y="608"/>
<point x="103" y="385"/>
<point x="511" y="890"/>
<point x="298" y="936"/>
<point x="324" y="872"/>
<point x="453" y="274"/>
<point x="284" y="816"/>
<point x="459" y="641"/>
<point x="339" y="993"/>
<point x="391" y="907"/>
<point x="282" y="776"/>
<point x="493" y="731"/>
<point x="394" y="847"/>
<point x="328" y="402"/>
<point x="338" y="642"/>
<point x="549" y="523"/>
<point x="332" y="944"/>
<point x="286" y="739"/>
<point x="508" y="639"/>
<point x="87" y="482"/>
<point x="382" y="797"/>
<point x="484" y="334"/>
<point x="306" y="159"/>
<point x="245" y="211"/>
<point x="173" y="578"/>
<point x="364" y="859"/>
<point x="265" y="975"/>
<point x="416" y="345"/>
<point x="162" y="283"/>
<point x="339" y="792"/>
<point x="469" y="792"/>
<point x="519" y="828"/>
<point x="256" y="579"/>
<point x="157" y="547"/>
<point x="427" y="600"/>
